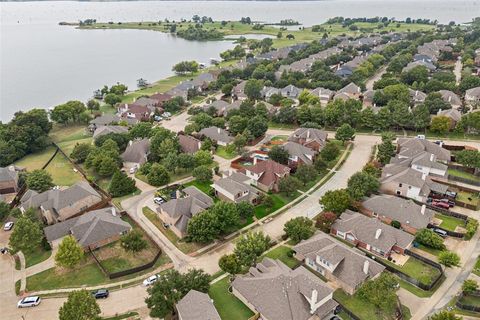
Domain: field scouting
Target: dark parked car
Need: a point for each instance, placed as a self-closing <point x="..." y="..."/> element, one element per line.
<point x="100" y="294"/>
<point x="440" y="204"/>
<point x="449" y="202"/>
<point x="440" y="232"/>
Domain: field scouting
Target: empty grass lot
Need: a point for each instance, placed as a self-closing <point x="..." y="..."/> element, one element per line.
<point x="450" y="223"/>
<point x="281" y="253"/>
<point x="222" y="152"/>
<point x="228" y="306"/>
<point x="468" y="197"/>
<point x="417" y="270"/>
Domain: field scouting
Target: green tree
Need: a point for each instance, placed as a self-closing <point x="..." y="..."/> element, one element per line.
<point x="4" y="210"/>
<point x="330" y="151"/>
<point x="69" y="253"/>
<point x="289" y="185"/>
<point x="440" y="124"/>
<point x="336" y="201"/>
<point x="380" y="292"/>
<point x="278" y="154"/>
<point x="229" y="264"/>
<point x="133" y="241"/>
<point x="306" y="173"/>
<point x="158" y="175"/>
<point x="80" y="305"/>
<point x="202" y="174"/>
<point x="253" y="89"/>
<point x="245" y="209"/>
<point x="81" y="151"/>
<point x="449" y="259"/>
<point x="362" y="184"/>
<point x="237" y="124"/>
<point x="26" y="235"/>
<point x="445" y="315"/>
<point x="93" y="104"/>
<point x="250" y="247"/>
<point x="240" y="141"/>
<point x="112" y="99"/>
<point x="434" y="102"/>
<point x="345" y="133"/>
<point x="119" y="89"/>
<point x="171" y="287"/>
<point x="298" y="229"/>
<point x="39" y="180"/>
<point x="257" y="126"/>
<point x="430" y="239"/>
<point x="386" y="150"/>
<point x="202" y="158"/>
<point x="469" y="286"/>
<point x="121" y="185"/>
<point x="468" y="158"/>
<point x="141" y="130"/>
<point x="185" y="67"/>
<point x="227" y="89"/>
<point x="203" y="227"/>
<point x="421" y="117"/>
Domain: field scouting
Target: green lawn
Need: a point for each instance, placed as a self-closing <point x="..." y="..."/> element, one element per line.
<point x="36" y="256"/>
<point x="356" y="305"/>
<point x="449" y="223"/>
<point x="202" y="186"/>
<point x="417" y="270"/>
<point x="281" y="253"/>
<point x="468" y="197"/>
<point x="470" y="300"/>
<point x="185" y="247"/>
<point x="414" y="289"/>
<point x="435" y="252"/>
<point x="476" y="268"/>
<point x="222" y="152"/>
<point x="262" y="210"/>
<point x="462" y="174"/>
<point x="128" y="315"/>
<point x="280" y="138"/>
<point x="228" y="306"/>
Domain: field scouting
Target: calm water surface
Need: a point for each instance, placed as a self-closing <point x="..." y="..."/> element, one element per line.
<point x="43" y="64"/>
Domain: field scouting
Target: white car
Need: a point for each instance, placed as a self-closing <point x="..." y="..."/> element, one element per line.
<point x="8" y="226"/>
<point x="133" y="169"/>
<point x="29" y="302"/>
<point x="158" y="200"/>
<point x="150" y="280"/>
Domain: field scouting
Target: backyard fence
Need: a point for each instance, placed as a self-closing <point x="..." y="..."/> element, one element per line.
<point x="467" y="306"/>
<point x="464" y="180"/>
<point x="449" y="233"/>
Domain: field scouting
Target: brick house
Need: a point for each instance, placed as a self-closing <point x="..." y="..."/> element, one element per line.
<point x="8" y="180"/>
<point x="266" y="174"/>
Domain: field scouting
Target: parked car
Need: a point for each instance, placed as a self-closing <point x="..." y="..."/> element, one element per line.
<point x="421" y="136"/>
<point x="133" y="169"/>
<point x="8" y="226"/>
<point x="158" y="200"/>
<point x="29" y="302"/>
<point x="4" y="250"/>
<point x="449" y="202"/>
<point x="150" y="280"/>
<point x="440" y="204"/>
<point x="439" y="142"/>
<point x="100" y="294"/>
<point x="440" y="232"/>
<point x="451" y="194"/>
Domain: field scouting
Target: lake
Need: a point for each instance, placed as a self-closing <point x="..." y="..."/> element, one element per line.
<point x="43" y="64"/>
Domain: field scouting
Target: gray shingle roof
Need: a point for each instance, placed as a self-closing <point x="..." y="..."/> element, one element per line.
<point x="349" y="264"/>
<point x="197" y="305"/>
<point x="297" y="150"/>
<point x="103" y="130"/>
<point x="217" y="134"/>
<point x="188" y="144"/>
<point x="8" y="174"/>
<point x="89" y="228"/>
<point x="279" y="293"/>
<point x="137" y="151"/>
<point x="410" y="147"/>
<point x="236" y="183"/>
<point x="309" y="134"/>
<point x="405" y="211"/>
<point x="365" y="230"/>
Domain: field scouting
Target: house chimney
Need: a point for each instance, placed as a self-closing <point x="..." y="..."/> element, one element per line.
<point x="130" y="142"/>
<point x="378" y="233"/>
<point x="424" y="207"/>
<point x="114" y="212"/>
<point x="218" y="130"/>
<point x="366" y="265"/>
<point x="254" y="160"/>
<point x="313" y="301"/>
<point x="432" y="156"/>
<point x="308" y="133"/>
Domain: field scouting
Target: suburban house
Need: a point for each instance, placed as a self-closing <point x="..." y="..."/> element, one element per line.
<point x="196" y="305"/>
<point x="135" y="111"/>
<point x="268" y="92"/>
<point x="410" y="183"/>
<point x="277" y="292"/>
<point x="58" y="205"/>
<point x="92" y="230"/>
<point x="371" y="234"/>
<point x="203" y="80"/>
<point x="419" y="63"/>
<point x="136" y="153"/>
<point x="218" y="135"/>
<point x="238" y="92"/>
<point x="424" y="162"/>
<point x="351" y="90"/>
<point x="220" y="107"/>
<point x="472" y="96"/>
<point x="177" y="212"/>
<point x="236" y="188"/>
<point x="267" y="174"/>
<point x="410" y="147"/>
<point x="299" y="154"/>
<point x="150" y="103"/>
<point x="161" y="98"/>
<point x="103" y="130"/>
<point x="417" y="96"/>
<point x="337" y="262"/>
<point x="368" y="98"/>
<point x="109" y="119"/>
<point x="189" y="144"/>
<point x="309" y="137"/>
<point x="291" y="92"/>
<point x="452" y="98"/>
<point x="8" y="180"/>
<point x="325" y="95"/>
<point x="388" y="208"/>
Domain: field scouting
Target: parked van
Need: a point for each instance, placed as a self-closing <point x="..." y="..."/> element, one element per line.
<point x="440" y="232"/>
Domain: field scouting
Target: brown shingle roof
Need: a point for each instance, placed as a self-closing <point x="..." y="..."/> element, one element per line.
<point x="269" y="171"/>
<point x="188" y="144"/>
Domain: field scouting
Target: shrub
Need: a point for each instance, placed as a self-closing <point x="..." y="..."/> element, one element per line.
<point x="430" y="239"/>
<point x="472" y="225"/>
<point x="449" y="259"/>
